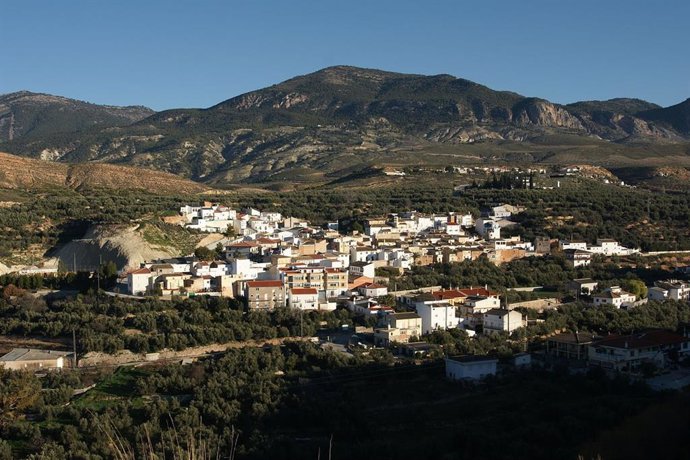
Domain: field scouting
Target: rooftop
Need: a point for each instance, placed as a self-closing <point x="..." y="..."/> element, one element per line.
<point x="267" y="283"/>
<point x="406" y="315"/>
<point x="374" y="286"/>
<point x="576" y="337"/>
<point x="645" y="339"/>
<point x="303" y="291"/>
<point x="584" y="281"/>
<point x="472" y="359"/>
<point x="30" y="354"/>
<point x="498" y="312"/>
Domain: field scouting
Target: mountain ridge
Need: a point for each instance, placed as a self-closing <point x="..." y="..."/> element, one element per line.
<point x="25" y="113"/>
<point x="342" y="116"/>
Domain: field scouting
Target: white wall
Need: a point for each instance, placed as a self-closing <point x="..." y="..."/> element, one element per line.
<point x="470" y="370"/>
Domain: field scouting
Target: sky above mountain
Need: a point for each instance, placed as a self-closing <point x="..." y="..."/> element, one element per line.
<point x="166" y="54"/>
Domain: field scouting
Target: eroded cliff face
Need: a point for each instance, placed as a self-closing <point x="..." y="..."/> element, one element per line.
<point x="546" y="114"/>
<point x="126" y="246"/>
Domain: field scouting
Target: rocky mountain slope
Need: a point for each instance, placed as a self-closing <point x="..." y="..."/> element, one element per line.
<point x="676" y="117"/>
<point x="331" y="122"/>
<point x="33" y="115"/>
<point x="25" y="173"/>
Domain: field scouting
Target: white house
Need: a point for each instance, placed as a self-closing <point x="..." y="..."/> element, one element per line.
<point x="578" y="257"/>
<point x="500" y="319"/>
<point x="303" y="298"/>
<point x="466" y="221"/>
<point x="582" y="286"/>
<point x="373" y="290"/>
<point x="454" y="229"/>
<point x="27" y="358"/>
<point x="400" y="328"/>
<point x="362" y="269"/>
<point x="488" y="228"/>
<point x="605" y="246"/>
<point x="502" y="211"/>
<point x="215" y="268"/>
<point x="670" y="289"/>
<point x="473" y="307"/>
<point x="436" y="315"/>
<point x="564" y="245"/>
<point x="481" y="303"/>
<point x="657" y="293"/>
<point x="470" y="367"/>
<point x="362" y="253"/>
<point x="138" y="281"/>
<point x="614" y="296"/>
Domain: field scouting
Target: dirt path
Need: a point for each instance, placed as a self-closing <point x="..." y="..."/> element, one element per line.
<point x="123" y="357"/>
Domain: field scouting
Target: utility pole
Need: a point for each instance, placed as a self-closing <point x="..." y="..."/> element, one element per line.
<point x="74" y="347"/>
<point x="649" y="212"/>
<point x="74" y="262"/>
<point x="98" y="282"/>
<point x="98" y="274"/>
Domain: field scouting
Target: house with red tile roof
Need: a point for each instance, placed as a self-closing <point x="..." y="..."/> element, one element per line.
<point x="264" y="294"/>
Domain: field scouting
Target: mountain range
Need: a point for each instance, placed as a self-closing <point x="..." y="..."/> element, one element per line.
<point x="331" y="123"/>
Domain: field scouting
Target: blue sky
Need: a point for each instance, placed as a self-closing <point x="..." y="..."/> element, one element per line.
<point x="175" y="53"/>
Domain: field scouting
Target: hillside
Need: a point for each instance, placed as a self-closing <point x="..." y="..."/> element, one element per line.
<point x="32" y="115"/>
<point x="24" y="173"/>
<point x="339" y="120"/>
<point x="676" y="117"/>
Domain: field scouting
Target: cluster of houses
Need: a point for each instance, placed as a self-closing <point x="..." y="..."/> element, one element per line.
<point x="442" y="309"/>
<point x="615" y="296"/>
<point x="276" y="261"/>
<point x="579" y="253"/>
<point x="636" y="353"/>
<point x="216" y="218"/>
<point x="268" y="248"/>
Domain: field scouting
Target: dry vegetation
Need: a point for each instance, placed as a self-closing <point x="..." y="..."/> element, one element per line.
<point x="23" y="173"/>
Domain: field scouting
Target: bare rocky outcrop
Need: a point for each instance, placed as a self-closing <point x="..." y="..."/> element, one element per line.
<point x="543" y="113"/>
<point x="124" y="245"/>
